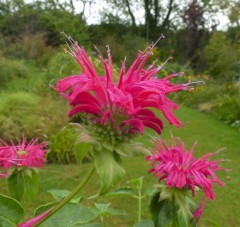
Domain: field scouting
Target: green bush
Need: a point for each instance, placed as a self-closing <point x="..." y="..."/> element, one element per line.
<point x="228" y="109"/>
<point x="62" y="146"/>
<point x="31" y="115"/>
<point x="11" y="69"/>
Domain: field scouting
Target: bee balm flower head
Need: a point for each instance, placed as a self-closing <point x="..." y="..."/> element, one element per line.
<point x="22" y="155"/>
<point x="182" y="170"/>
<point x="124" y="107"/>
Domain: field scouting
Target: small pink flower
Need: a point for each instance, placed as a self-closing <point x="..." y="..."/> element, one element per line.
<point x="182" y="170"/>
<point x="22" y="155"/>
<point x="125" y="103"/>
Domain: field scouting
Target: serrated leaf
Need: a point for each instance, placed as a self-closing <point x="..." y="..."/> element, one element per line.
<point x="69" y="215"/>
<point x="11" y="211"/>
<point x="81" y="150"/>
<point x="41" y="209"/>
<point x="145" y="223"/>
<point x="16" y="185"/>
<point x="121" y="191"/>
<point x="109" y="170"/>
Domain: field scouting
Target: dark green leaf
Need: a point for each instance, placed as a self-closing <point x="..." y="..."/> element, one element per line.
<point x="16" y="185"/>
<point x="11" y="211"/>
<point x="69" y="215"/>
<point x="163" y="212"/>
<point x="109" y="170"/>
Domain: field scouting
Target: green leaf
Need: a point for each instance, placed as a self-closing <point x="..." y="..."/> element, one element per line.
<point x="31" y="183"/>
<point x="41" y="209"/>
<point x="81" y="150"/>
<point x="109" y="170"/>
<point x="121" y="191"/>
<point x="6" y="223"/>
<point x="60" y="194"/>
<point x="69" y="215"/>
<point x="104" y="210"/>
<point x="16" y="185"/>
<point x="145" y="223"/>
<point x="163" y="212"/>
<point x="138" y="182"/>
<point x="183" y="218"/>
<point x="90" y="225"/>
<point x="11" y="211"/>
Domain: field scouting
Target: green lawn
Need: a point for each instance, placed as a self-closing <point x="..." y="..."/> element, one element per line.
<point x="211" y="136"/>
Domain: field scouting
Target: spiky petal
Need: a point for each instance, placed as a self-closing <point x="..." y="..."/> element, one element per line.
<point x="181" y="169"/>
<point x="137" y="90"/>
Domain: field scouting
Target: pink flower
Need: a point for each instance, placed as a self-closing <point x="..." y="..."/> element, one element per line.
<point x="182" y="170"/>
<point x="124" y="104"/>
<point x="22" y="155"/>
<point x="35" y="220"/>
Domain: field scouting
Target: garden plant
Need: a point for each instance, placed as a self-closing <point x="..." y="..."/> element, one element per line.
<point x="110" y="113"/>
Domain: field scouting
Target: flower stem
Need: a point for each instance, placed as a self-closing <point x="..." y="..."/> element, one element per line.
<point x="70" y="196"/>
<point x="139" y="205"/>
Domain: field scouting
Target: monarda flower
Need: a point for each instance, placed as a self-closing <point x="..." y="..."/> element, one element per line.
<point x="23" y="154"/>
<point x="182" y="171"/>
<point x="122" y="109"/>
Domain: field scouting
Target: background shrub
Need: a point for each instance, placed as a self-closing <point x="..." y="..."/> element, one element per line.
<point x="11" y="69"/>
<point x="31" y="115"/>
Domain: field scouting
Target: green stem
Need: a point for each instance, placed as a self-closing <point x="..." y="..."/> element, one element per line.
<point x="69" y="197"/>
<point x="139" y="205"/>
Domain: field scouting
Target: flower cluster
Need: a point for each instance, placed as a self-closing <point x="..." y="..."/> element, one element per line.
<point x="182" y="170"/>
<point x="123" y="106"/>
<point x="22" y="155"/>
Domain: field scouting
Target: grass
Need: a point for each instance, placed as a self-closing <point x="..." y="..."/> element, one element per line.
<point x="211" y="136"/>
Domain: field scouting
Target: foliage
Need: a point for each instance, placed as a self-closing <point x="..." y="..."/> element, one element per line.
<point x="62" y="146"/>
<point x="227" y="109"/>
<point x="223" y="63"/>
<point x="29" y="114"/>
<point x="31" y="47"/>
<point x="11" y="69"/>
